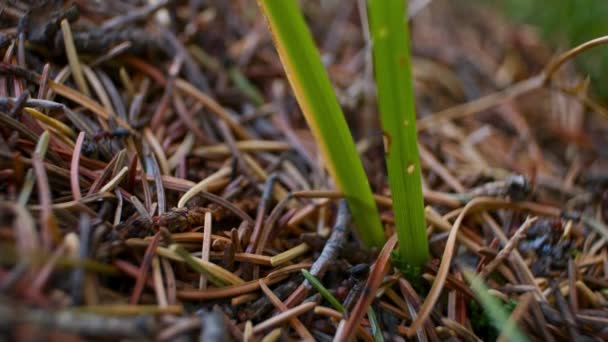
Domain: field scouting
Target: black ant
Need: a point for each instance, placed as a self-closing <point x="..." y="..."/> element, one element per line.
<point x="119" y="132"/>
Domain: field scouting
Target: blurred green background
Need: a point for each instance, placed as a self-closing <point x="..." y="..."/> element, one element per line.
<point x="566" y="23"/>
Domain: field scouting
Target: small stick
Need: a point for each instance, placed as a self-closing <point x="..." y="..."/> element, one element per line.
<point x="333" y="245"/>
<point x="329" y="254"/>
<point x="509" y="247"/>
<point x="87" y="324"/>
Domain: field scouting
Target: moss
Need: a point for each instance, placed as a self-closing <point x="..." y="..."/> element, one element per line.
<point x="413" y="274"/>
<point x="482" y="324"/>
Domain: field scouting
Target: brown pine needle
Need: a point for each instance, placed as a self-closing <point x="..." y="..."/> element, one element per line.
<point x="513" y="91"/>
<point x="250" y="286"/>
<point x="295" y="322"/>
<point x="182" y="151"/>
<point x="131" y="310"/>
<point x="215" y="107"/>
<point x="70" y="51"/>
<point x="474" y="205"/>
<point x="206" y="247"/>
<point x="202" y="186"/>
<point x="289" y="255"/>
<point x="74" y="179"/>
<point x="283" y="316"/>
<point x="371" y="286"/>
<point x="337" y="316"/>
<point x="114" y="182"/>
<point x="86" y="102"/>
<point x="273" y="336"/>
<point x="243" y="146"/>
<point x="101" y="93"/>
<point x="54" y="123"/>
<point x="159" y="287"/>
<point x="158" y="151"/>
<point x="143" y="270"/>
<point x="218" y="275"/>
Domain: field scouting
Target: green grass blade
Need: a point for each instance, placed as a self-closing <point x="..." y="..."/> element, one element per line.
<point x="338" y="306"/>
<point x="492" y="306"/>
<point x="318" y="102"/>
<point x="322" y="290"/>
<point x="373" y="322"/>
<point x="393" y="73"/>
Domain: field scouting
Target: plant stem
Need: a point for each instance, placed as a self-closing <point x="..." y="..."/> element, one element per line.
<point x="393" y="73"/>
<point x="320" y="107"/>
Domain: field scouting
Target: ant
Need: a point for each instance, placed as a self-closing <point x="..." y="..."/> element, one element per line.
<point x="119" y="132"/>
